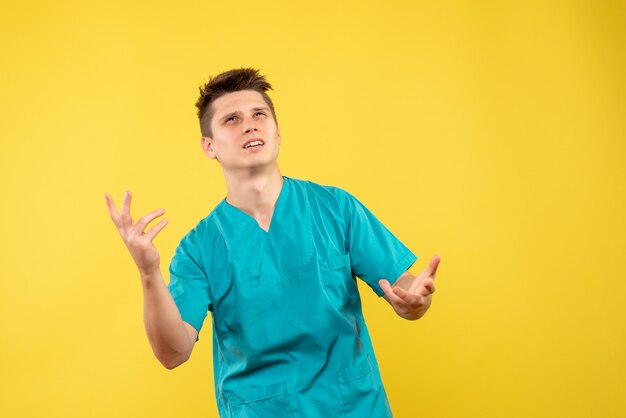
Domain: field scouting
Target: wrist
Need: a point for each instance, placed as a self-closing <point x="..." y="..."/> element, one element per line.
<point x="149" y="276"/>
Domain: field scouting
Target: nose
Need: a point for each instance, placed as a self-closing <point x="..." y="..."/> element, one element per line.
<point x="249" y="125"/>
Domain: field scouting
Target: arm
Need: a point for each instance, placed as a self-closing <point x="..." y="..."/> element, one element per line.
<point x="171" y="338"/>
<point x="411" y="296"/>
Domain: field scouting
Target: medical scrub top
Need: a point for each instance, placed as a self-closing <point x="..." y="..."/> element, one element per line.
<point x="289" y="338"/>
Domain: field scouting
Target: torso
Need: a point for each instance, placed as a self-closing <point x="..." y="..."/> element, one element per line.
<point x="288" y="328"/>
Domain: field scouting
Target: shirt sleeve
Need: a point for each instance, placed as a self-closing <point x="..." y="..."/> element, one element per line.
<point x="189" y="285"/>
<point x="375" y="253"/>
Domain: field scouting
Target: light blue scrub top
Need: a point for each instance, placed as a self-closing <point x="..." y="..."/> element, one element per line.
<point x="289" y="338"/>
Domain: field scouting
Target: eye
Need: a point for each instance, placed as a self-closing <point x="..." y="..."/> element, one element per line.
<point x="230" y="118"/>
<point x="259" y="113"/>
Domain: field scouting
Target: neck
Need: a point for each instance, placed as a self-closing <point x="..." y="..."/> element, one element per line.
<point x="255" y="192"/>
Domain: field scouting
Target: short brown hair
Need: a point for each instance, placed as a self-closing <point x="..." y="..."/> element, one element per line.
<point x="228" y="82"/>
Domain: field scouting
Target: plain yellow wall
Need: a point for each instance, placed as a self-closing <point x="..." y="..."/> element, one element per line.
<point x="491" y="133"/>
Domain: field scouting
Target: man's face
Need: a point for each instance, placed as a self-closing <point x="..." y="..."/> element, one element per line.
<point x="245" y="134"/>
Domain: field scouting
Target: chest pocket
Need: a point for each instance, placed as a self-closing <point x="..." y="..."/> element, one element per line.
<point x="339" y="282"/>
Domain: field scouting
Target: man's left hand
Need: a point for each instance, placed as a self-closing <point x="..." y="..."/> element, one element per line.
<point x="411" y="296"/>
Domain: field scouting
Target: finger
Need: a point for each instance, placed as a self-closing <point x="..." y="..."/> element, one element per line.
<point x="125" y="211"/>
<point x="156" y="229"/>
<point x="429" y="287"/>
<point x="144" y="221"/>
<point x="391" y="297"/>
<point x="431" y="270"/>
<point x="433" y="265"/>
<point x="409" y="299"/>
<point x="415" y="285"/>
<point x="426" y="288"/>
<point x="405" y="301"/>
<point x="115" y="216"/>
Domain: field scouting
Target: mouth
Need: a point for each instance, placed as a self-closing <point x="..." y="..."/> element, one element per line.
<point x="253" y="143"/>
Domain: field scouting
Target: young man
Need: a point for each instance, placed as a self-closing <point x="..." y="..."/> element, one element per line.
<point x="275" y="264"/>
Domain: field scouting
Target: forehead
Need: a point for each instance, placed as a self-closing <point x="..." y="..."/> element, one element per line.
<point x="237" y="101"/>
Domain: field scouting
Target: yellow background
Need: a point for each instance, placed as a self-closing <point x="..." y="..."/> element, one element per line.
<point x="491" y="133"/>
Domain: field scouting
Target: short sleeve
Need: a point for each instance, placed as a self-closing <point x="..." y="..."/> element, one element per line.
<point x="189" y="285"/>
<point x="375" y="253"/>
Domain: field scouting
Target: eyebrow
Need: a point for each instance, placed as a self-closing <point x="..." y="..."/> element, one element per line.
<point x="254" y="109"/>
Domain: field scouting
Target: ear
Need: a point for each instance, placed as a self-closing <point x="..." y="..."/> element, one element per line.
<point x="207" y="146"/>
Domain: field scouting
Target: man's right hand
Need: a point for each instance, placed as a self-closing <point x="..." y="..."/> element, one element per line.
<point x="138" y="242"/>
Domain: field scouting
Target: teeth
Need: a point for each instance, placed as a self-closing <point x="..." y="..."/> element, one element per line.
<point x="253" y="144"/>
